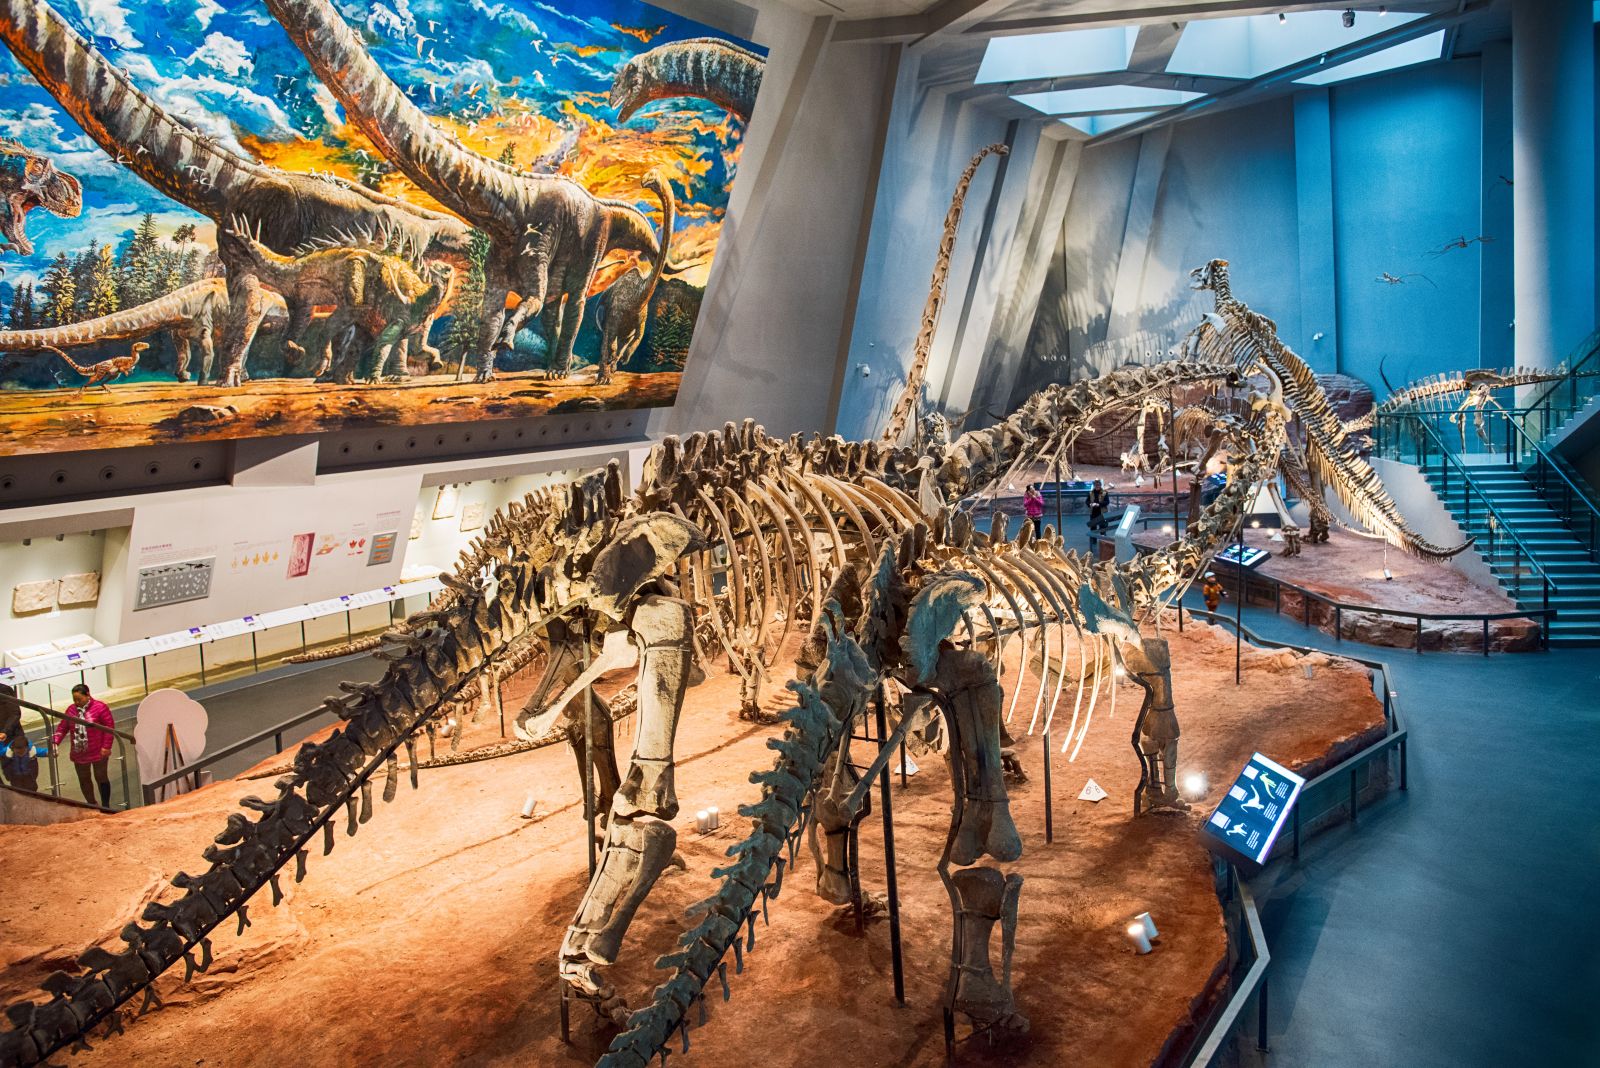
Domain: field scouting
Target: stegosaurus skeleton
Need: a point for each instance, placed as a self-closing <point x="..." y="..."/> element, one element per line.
<point x="874" y="544"/>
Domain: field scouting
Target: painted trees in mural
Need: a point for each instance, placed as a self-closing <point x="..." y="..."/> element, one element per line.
<point x="245" y="217"/>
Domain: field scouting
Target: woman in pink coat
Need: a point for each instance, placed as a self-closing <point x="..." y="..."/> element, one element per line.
<point x="91" y="746"/>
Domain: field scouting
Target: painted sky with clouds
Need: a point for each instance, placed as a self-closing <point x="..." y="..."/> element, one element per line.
<point x="521" y="72"/>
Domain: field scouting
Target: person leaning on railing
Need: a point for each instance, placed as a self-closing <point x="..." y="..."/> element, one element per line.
<point x="91" y="746"/>
<point x="20" y="766"/>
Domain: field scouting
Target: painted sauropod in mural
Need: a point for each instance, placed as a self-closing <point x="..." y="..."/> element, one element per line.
<point x="29" y="180"/>
<point x="384" y="298"/>
<point x="705" y="67"/>
<point x="547" y="233"/>
<point x="285" y="210"/>
<point x="192" y="315"/>
<point x="624" y="309"/>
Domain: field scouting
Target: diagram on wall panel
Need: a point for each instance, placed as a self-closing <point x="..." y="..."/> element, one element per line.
<point x="164" y="584"/>
<point x="300" y="554"/>
<point x="381" y="550"/>
<point x="267" y="149"/>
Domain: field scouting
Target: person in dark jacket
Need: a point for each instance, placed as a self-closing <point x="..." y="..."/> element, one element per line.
<point x="19" y="763"/>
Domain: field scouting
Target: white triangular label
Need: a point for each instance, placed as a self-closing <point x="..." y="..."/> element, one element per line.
<point x="907" y="765"/>
<point x="1091" y="792"/>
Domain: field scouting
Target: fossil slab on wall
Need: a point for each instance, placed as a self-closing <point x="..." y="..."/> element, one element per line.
<point x="79" y="589"/>
<point x="37" y="596"/>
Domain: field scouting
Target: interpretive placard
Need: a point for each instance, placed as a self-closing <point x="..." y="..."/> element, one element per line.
<point x="1253" y="811"/>
<point x="1248" y="554"/>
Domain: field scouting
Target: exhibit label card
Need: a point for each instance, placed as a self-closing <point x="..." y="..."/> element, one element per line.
<point x="1254" y="809"/>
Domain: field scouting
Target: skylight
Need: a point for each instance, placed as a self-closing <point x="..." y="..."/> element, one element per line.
<point x="1104" y="98"/>
<point x="1099" y="124"/>
<point x="1057" y="55"/>
<point x="1253" y="45"/>
<point x="1406" y="54"/>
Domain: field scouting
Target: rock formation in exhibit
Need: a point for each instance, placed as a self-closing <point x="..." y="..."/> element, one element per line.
<point x="729" y="539"/>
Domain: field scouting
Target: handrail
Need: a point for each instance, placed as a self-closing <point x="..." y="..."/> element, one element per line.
<point x="194" y="767"/>
<point x="1589" y="346"/>
<point x="1260" y="956"/>
<point x="124" y="739"/>
<point x="53" y="714"/>
<point x="1213" y="1035"/>
<point x="1503" y="525"/>
<point x="1509" y="417"/>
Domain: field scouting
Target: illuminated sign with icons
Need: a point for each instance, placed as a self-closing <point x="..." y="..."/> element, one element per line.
<point x="1254" y="809"/>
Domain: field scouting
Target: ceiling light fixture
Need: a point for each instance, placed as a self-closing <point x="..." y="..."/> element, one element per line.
<point x="1348" y="18"/>
<point x="1382" y="11"/>
<point x="1282" y="18"/>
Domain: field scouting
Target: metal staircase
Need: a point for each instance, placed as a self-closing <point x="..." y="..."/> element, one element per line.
<point x="1536" y="521"/>
<point x="1528" y="541"/>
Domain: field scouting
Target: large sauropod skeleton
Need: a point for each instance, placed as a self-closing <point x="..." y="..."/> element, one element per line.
<point x="285" y="210"/>
<point x="875" y="545"/>
<point x="547" y="233"/>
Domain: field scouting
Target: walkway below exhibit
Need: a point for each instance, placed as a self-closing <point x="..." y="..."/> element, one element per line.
<point x="439" y="918"/>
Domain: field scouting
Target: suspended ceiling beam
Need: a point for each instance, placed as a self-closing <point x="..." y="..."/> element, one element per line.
<point x="984" y="18"/>
<point x="1283" y="78"/>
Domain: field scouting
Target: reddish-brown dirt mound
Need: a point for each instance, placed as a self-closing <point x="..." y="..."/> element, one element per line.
<point x="431" y="937"/>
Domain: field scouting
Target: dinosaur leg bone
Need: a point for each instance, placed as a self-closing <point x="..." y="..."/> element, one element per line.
<point x="639" y="841"/>
<point x="985" y="896"/>
<point x="984" y="826"/>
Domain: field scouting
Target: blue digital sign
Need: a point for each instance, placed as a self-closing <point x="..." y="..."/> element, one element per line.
<point x="1255" y="807"/>
<point x="1250" y="555"/>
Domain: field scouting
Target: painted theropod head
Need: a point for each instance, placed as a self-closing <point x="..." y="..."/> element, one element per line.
<point x="31" y="180"/>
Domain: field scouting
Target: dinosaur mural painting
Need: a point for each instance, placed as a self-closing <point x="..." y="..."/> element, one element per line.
<point x="472" y="139"/>
<point x="192" y="315"/>
<point x="30" y="180"/>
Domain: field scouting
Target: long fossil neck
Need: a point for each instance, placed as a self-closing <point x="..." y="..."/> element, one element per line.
<point x="900" y="415"/>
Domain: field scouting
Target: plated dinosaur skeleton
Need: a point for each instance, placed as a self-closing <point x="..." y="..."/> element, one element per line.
<point x="729" y="539"/>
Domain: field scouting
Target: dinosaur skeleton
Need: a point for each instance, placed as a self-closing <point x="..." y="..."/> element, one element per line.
<point x="876" y="545"/>
<point x="1471" y="391"/>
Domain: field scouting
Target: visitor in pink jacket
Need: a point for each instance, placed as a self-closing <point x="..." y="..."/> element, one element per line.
<point x="91" y="746"/>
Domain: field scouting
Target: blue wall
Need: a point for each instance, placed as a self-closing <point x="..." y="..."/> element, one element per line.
<point x="1311" y="198"/>
<point x="1406" y="182"/>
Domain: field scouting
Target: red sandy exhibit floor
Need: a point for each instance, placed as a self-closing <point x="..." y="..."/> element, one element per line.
<point x="431" y="937"/>
<point x="1349" y="568"/>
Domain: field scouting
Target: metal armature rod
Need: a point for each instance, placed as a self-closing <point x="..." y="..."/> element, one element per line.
<point x="887" y="748"/>
<point x="589" y="805"/>
<point x="888" y="852"/>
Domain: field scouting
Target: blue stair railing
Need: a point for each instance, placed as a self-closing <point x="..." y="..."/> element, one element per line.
<point x="1395" y="431"/>
<point x="1547" y="410"/>
<point x="1505" y="435"/>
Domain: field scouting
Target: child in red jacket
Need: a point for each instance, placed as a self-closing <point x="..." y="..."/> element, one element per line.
<point x="91" y="746"/>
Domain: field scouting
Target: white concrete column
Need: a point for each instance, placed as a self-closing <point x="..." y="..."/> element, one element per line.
<point x="1553" y="159"/>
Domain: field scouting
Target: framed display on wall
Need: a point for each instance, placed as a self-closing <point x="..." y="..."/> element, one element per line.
<point x="510" y="93"/>
<point x="165" y="584"/>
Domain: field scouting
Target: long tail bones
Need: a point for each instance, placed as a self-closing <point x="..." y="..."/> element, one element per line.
<point x="728" y="541"/>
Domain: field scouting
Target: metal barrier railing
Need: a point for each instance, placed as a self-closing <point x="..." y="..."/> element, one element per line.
<point x="124" y="741"/>
<point x="191" y="771"/>
<point x="1500" y="529"/>
<point x="1573" y="501"/>
<point x="1246" y="934"/>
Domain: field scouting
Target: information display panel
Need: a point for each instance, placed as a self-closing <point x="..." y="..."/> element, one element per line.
<point x="1254" y="809"/>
